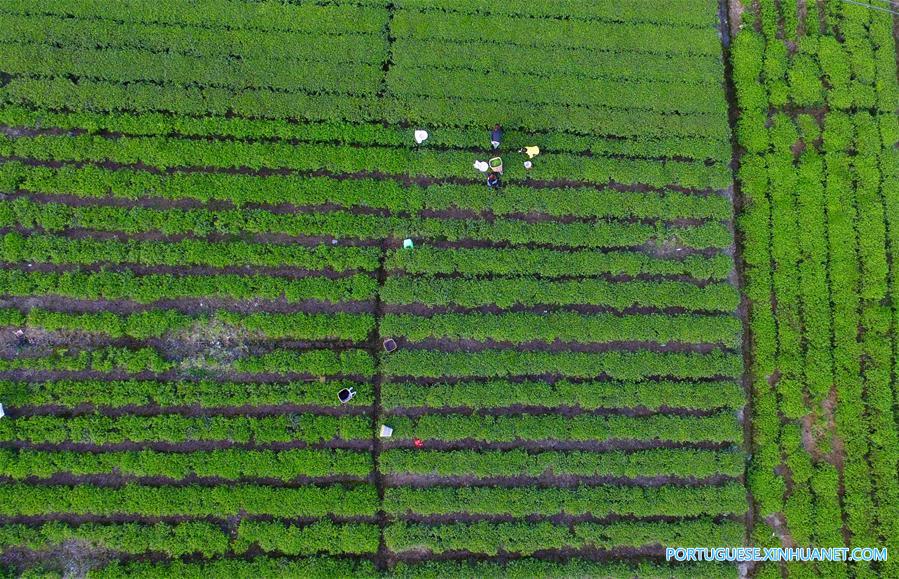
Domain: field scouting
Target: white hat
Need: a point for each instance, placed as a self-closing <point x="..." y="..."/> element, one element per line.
<point x="481" y="166"/>
<point x="528" y="164"/>
<point x="421" y="136"/>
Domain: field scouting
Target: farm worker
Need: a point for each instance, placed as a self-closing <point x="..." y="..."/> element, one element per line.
<point x="496" y="136"/>
<point x="481" y="166"/>
<point x="531" y="152"/>
<point x="493" y="181"/>
<point x="421" y="136"/>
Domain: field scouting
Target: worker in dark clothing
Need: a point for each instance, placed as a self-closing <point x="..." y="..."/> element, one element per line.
<point x="496" y="136"/>
<point x="493" y="181"/>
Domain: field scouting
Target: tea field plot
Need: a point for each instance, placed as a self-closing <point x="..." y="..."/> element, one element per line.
<point x="203" y="208"/>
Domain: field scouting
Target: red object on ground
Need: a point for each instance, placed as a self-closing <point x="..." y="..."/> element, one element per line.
<point x="418" y="443"/>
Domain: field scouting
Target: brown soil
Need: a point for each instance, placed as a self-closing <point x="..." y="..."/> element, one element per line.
<point x="72" y="558"/>
<point x="779" y="524"/>
<point x="735" y="16"/>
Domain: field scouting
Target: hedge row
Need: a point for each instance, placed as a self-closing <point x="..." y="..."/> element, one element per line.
<point x="149" y="288"/>
<point x="228" y="15"/>
<point x="105" y="359"/>
<point x="273" y="45"/>
<point x="312" y="567"/>
<point x="618" y="37"/>
<point x="156" y="323"/>
<point x="325" y="567"/>
<point x="722" y="427"/>
<point x="187" y="252"/>
<point x="608" y="394"/>
<point x="546" y="263"/>
<point x="229" y="464"/>
<point x="505" y="293"/>
<point x="175" y="540"/>
<point x="512" y="89"/>
<point x="529" y="567"/>
<point x="172" y="428"/>
<point x="598" y="501"/>
<point x="130" y="538"/>
<point x="315" y="362"/>
<point x="321" y="537"/>
<point x="128" y="65"/>
<point x="617" y="365"/>
<point x="546" y="62"/>
<point x="676" y="13"/>
<point x="686" y="463"/>
<point x="530" y="538"/>
<point x="109" y="358"/>
<point x="218" y="501"/>
<point x="202" y="393"/>
<point x="519" y="328"/>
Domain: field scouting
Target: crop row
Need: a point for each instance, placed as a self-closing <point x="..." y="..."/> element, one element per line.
<point x="193" y="41"/>
<point x="156" y="124"/>
<point x="166" y="152"/>
<point x="129" y="65"/>
<point x="198" y="501"/>
<point x="505" y="293"/>
<point x="323" y="567"/>
<point x="521" y="327"/>
<point x="529" y="538"/>
<point x="223" y="501"/>
<point x="310" y="362"/>
<point x="315" y="362"/>
<point x="722" y="427"/>
<point x="686" y="463"/>
<point x="173" y="428"/>
<point x="199" y="537"/>
<point x="500" y="29"/>
<point x="672" y="97"/>
<point x="284" y="568"/>
<point x="635" y="365"/>
<point x="125" y="285"/>
<point x="540" y="63"/>
<point x="229" y="464"/>
<point x="676" y="13"/>
<point x="606" y="394"/>
<point x="546" y="263"/>
<point x="63" y="94"/>
<point x="229" y="15"/>
<point x="61" y="250"/>
<point x="202" y="393"/>
<point x="106" y="359"/>
<point x="132" y="538"/>
<point x="598" y="501"/>
<point x="201" y="222"/>
<point x="155" y="323"/>
<point x="240" y="189"/>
